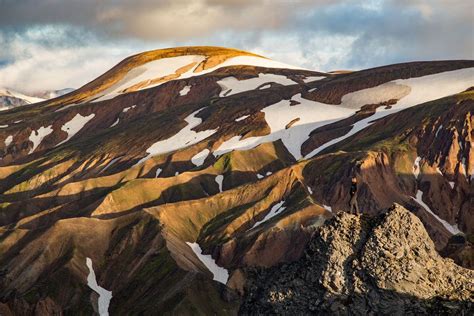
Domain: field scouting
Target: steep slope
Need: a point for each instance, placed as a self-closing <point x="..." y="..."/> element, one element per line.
<point x="386" y="265"/>
<point x="193" y="163"/>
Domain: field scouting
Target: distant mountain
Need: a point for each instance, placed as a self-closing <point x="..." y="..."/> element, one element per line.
<point x="10" y="98"/>
<point x="51" y="94"/>
<point x="175" y="181"/>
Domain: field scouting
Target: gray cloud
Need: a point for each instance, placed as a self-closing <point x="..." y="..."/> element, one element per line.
<point x="155" y="20"/>
<point x="62" y="43"/>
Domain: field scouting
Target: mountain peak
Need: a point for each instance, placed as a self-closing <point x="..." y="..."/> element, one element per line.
<point x="153" y="68"/>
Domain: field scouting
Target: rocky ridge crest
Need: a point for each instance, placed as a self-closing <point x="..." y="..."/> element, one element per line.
<point x="364" y="266"/>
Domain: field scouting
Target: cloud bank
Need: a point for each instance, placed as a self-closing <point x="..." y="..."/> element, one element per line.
<point x="50" y="44"/>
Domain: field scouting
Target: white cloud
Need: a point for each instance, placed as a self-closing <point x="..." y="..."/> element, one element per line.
<point x="54" y="46"/>
<point x="38" y="62"/>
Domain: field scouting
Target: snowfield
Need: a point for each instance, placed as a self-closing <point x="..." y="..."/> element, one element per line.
<point x="184" y="138"/>
<point x="104" y="295"/>
<point x="220" y="274"/>
<point x="147" y="72"/>
<point x="170" y="68"/>
<point x="313" y="114"/>
<point x="231" y="85"/>
<point x="75" y="125"/>
<point x="37" y="136"/>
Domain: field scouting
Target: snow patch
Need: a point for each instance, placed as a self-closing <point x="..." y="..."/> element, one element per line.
<point x="147" y="72"/>
<point x="128" y="108"/>
<point x="275" y="210"/>
<point x="220" y="274"/>
<point x="241" y="118"/>
<point x="422" y="89"/>
<point x="158" y="171"/>
<point x="439" y="171"/>
<point x="110" y="164"/>
<point x="37" y="136"/>
<point x="309" y="190"/>
<point x="327" y="207"/>
<point x="185" y="137"/>
<point x="8" y="140"/>
<point x="231" y="85"/>
<point x="164" y="67"/>
<point x="3" y="126"/>
<point x="375" y="95"/>
<point x="185" y="91"/>
<point x="115" y="123"/>
<point x="104" y="295"/>
<point x="220" y="179"/>
<point x="416" y="167"/>
<point x="260" y="176"/>
<point x="453" y="229"/>
<point x="312" y="78"/>
<point x="356" y="127"/>
<point x="75" y="125"/>
<point x="198" y="159"/>
<point x="437" y="131"/>
<point x="451" y="183"/>
<point x="312" y="115"/>
<point x="464" y="166"/>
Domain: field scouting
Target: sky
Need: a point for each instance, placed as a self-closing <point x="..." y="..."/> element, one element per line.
<point x="54" y="44"/>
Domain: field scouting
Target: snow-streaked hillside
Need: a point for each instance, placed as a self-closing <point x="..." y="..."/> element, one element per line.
<point x="179" y="169"/>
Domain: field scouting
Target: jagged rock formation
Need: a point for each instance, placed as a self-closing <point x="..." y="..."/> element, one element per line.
<point x="355" y="265"/>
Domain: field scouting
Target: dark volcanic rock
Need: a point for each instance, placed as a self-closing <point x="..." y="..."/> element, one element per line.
<point x="357" y="266"/>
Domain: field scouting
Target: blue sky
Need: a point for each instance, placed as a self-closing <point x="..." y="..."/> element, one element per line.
<point x="53" y="44"/>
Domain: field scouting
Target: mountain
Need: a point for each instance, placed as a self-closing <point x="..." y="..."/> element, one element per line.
<point x="10" y="98"/>
<point x="51" y="94"/>
<point x="156" y="187"/>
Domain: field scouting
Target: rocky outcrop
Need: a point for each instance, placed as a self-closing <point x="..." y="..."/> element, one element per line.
<point x="364" y="266"/>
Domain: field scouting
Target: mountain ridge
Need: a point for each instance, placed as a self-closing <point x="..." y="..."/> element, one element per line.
<point x="237" y="164"/>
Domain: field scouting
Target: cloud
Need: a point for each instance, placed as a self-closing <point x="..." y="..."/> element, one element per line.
<point x="69" y="42"/>
<point x="395" y="31"/>
<point x="156" y="20"/>
<point x="50" y="57"/>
